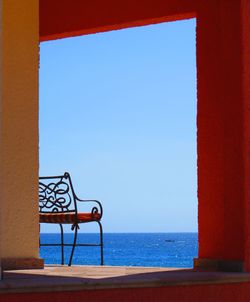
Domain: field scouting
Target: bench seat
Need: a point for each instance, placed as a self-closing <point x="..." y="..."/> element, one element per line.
<point x="68" y="217"/>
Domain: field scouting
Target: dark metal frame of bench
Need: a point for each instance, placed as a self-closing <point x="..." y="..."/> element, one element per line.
<point x="57" y="196"/>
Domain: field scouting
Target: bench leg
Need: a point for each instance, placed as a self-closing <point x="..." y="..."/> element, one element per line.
<point x="101" y="241"/>
<point x="62" y="244"/>
<point x="74" y="244"/>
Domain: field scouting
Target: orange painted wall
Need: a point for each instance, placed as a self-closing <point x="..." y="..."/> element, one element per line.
<point x="239" y="292"/>
<point x="19" y="55"/>
<point x="223" y="66"/>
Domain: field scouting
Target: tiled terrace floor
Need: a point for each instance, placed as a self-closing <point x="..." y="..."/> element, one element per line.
<point x="63" y="278"/>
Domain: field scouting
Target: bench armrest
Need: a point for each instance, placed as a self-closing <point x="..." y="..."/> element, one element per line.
<point x="95" y="209"/>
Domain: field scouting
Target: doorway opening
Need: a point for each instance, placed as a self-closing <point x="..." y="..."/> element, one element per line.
<point x="118" y="111"/>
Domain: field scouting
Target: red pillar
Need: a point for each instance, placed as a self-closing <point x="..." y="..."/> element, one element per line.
<point x="223" y="105"/>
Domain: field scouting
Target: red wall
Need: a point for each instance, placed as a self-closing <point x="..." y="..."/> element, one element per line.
<point x="223" y="71"/>
<point x="206" y="293"/>
<point x="220" y="123"/>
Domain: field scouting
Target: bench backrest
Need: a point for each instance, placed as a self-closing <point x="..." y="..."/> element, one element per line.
<point x="56" y="194"/>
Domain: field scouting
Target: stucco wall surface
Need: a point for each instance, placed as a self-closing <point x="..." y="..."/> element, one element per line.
<point x="19" y="44"/>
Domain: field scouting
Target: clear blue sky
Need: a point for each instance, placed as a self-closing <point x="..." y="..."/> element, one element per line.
<point x="118" y="111"/>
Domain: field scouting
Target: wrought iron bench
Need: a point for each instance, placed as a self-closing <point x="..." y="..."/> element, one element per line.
<point x="58" y="204"/>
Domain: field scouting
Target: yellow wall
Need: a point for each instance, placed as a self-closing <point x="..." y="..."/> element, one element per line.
<point x="19" y="55"/>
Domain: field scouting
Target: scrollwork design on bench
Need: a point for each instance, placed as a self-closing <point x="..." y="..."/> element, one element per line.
<point x="55" y="197"/>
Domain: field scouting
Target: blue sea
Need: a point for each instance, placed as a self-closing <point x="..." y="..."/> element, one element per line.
<point x="127" y="249"/>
